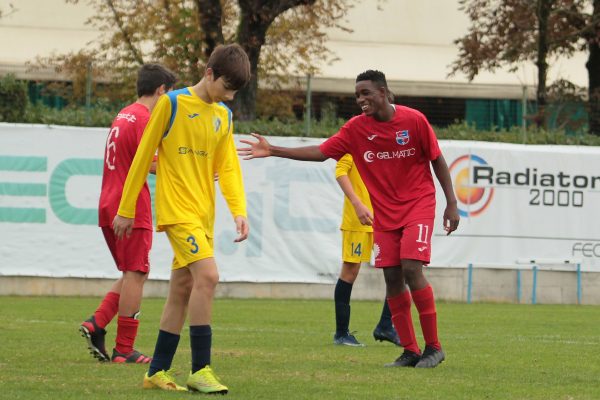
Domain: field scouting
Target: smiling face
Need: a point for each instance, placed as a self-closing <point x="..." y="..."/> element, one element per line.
<point x="371" y="98"/>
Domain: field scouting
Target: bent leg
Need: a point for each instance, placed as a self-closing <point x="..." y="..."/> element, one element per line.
<point x="422" y="294"/>
<point x="341" y="297"/>
<point x="129" y="306"/>
<point x="399" y="301"/>
<point x="171" y="321"/>
<point x="206" y="278"/>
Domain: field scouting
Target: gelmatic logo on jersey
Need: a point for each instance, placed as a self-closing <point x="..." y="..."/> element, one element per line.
<point x="402" y="137"/>
<point x="370" y="156"/>
<point x="472" y="200"/>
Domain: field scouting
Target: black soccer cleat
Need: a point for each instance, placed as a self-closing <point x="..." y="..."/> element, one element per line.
<point x="94" y="336"/>
<point x="346" y="339"/>
<point x="407" y="359"/>
<point x="388" y="334"/>
<point x="431" y="358"/>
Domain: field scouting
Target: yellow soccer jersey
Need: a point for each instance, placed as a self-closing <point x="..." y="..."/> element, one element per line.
<point x="194" y="140"/>
<point x="350" y="222"/>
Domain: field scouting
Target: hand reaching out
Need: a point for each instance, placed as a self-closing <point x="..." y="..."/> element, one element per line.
<point x="256" y="150"/>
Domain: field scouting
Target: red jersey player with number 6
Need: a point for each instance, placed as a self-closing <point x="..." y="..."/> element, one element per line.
<point x="393" y="148"/>
<point x="131" y="253"/>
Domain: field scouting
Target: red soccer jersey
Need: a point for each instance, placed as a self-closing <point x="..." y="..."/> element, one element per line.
<point x="122" y="142"/>
<point x="393" y="159"/>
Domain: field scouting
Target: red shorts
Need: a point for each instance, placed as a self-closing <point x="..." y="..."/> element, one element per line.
<point x="412" y="242"/>
<point x="130" y="253"/>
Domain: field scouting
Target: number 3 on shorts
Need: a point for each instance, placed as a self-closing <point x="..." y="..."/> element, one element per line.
<point x="192" y="240"/>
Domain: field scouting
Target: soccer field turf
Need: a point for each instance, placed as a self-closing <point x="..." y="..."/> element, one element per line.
<point x="282" y="349"/>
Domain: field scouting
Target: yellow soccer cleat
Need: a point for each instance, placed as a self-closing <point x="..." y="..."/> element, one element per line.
<point x="205" y="381"/>
<point x="161" y="380"/>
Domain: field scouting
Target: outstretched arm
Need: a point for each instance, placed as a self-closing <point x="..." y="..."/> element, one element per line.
<point x="451" y="217"/>
<point x="262" y="148"/>
<point x="362" y="211"/>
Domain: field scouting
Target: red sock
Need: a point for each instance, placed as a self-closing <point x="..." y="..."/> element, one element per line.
<point x="127" y="328"/>
<point x="107" y="309"/>
<point x="425" y="304"/>
<point x="402" y="320"/>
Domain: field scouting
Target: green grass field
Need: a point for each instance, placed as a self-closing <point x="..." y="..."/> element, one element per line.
<point x="282" y="349"/>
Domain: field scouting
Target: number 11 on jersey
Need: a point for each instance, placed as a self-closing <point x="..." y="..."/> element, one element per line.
<point x="423" y="233"/>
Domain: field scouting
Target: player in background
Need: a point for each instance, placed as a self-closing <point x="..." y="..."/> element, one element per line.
<point x="357" y="242"/>
<point x="131" y="254"/>
<point x="394" y="149"/>
<point x="193" y="131"/>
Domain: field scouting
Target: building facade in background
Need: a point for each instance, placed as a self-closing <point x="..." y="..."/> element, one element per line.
<point x="411" y="41"/>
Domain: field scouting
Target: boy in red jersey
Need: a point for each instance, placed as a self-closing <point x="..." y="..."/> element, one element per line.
<point x="193" y="131"/>
<point x="393" y="148"/>
<point x="131" y="254"/>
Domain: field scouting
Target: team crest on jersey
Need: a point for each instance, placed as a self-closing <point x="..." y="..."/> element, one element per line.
<point x="217" y="123"/>
<point x="402" y="137"/>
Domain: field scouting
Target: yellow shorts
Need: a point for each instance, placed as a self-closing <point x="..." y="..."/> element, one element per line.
<point x="190" y="243"/>
<point x="356" y="246"/>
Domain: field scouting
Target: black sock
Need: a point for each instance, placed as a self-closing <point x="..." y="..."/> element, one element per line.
<point x="385" y="322"/>
<point x="164" y="351"/>
<point x="200" y="341"/>
<point x="341" y="296"/>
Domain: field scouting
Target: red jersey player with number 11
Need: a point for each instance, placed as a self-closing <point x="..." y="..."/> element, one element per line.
<point x="393" y="148"/>
<point x="131" y="253"/>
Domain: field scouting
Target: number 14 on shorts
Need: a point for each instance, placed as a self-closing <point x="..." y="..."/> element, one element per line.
<point x="357" y="248"/>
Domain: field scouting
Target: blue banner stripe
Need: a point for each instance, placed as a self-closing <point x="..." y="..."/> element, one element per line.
<point x="23" y="189"/>
<point x="16" y="163"/>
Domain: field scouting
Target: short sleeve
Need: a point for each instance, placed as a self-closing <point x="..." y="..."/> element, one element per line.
<point x="343" y="166"/>
<point x="339" y="144"/>
<point x="430" y="144"/>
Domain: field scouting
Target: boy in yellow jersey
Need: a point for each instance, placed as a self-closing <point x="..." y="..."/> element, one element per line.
<point x="193" y="132"/>
<point x="357" y="241"/>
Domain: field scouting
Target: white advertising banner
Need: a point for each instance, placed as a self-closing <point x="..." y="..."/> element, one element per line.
<point x="50" y="180"/>
<point x="516" y="202"/>
<point x="520" y="203"/>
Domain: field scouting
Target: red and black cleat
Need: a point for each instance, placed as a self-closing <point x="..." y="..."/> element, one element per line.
<point x="133" y="356"/>
<point x="94" y="336"/>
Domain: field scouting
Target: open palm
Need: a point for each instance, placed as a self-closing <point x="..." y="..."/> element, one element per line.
<point x="256" y="150"/>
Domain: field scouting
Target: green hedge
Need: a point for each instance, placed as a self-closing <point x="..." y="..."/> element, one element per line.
<point x="72" y="116"/>
<point x="103" y="114"/>
<point x="13" y="99"/>
<point x="458" y="131"/>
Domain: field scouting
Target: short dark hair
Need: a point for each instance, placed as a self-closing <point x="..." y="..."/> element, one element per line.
<point x="374" y="76"/>
<point x="230" y="62"/>
<point x="151" y="77"/>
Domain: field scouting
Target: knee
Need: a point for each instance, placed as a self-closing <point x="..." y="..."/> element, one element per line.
<point x="207" y="281"/>
<point x="413" y="274"/>
<point x="393" y="277"/>
<point x="182" y="292"/>
<point x="349" y="272"/>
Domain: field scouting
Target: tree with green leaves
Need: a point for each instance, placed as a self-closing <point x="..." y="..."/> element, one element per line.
<point x="587" y="27"/>
<point x="507" y="33"/>
<point x="283" y="38"/>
